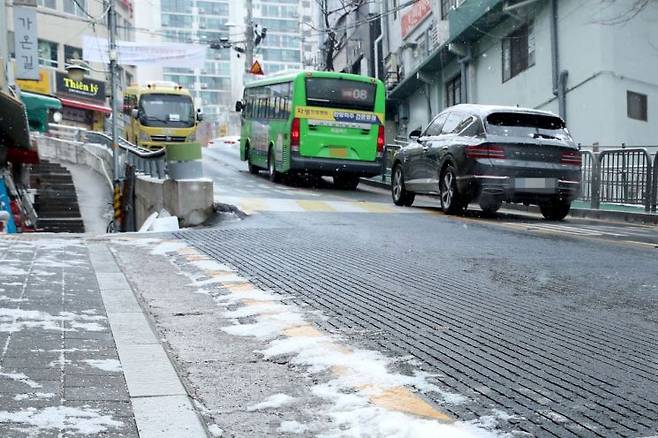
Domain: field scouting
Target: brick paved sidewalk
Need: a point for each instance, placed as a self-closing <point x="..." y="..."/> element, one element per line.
<point x="60" y="374"/>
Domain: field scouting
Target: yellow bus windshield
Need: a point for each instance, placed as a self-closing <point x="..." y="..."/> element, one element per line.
<point x="166" y="110"/>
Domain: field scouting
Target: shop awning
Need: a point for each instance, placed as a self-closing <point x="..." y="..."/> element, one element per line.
<point x="86" y="105"/>
<point x="14" y="131"/>
<point x="38" y="107"/>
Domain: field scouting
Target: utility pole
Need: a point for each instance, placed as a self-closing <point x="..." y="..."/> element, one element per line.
<point x="249" y="35"/>
<point x="112" y="28"/>
<point x="4" y="49"/>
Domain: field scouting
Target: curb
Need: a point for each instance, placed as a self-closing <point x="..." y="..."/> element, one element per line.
<point x="585" y="213"/>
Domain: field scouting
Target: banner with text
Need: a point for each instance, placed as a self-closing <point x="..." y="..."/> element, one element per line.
<point x="160" y="54"/>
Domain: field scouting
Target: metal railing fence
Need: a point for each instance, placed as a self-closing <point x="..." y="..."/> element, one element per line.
<point x="146" y="161"/>
<point x="613" y="175"/>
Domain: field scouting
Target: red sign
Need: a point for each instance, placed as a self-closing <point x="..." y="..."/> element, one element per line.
<point x="415" y="15"/>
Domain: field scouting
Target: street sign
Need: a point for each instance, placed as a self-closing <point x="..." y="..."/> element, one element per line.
<point x="256" y="69"/>
<point x="25" y="39"/>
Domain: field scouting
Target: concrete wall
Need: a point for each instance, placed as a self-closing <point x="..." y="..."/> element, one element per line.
<point x="191" y="200"/>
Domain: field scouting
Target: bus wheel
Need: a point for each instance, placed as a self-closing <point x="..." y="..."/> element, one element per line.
<point x="272" y="174"/>
<point x="346" y="182"/>
<point x="253" y="169"/>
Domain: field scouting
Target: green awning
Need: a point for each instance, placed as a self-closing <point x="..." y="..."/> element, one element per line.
<point x="38" y="108"/>
<point x="14" y="131"/>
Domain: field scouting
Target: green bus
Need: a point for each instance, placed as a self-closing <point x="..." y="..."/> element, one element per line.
<point x="321" y="123"/>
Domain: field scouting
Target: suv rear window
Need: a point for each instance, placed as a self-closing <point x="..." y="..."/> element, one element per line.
<point x="340" y="93"/>
<point x="527" y="125"/>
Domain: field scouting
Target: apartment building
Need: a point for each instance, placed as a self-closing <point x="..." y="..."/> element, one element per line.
<point x="219" y="83"/>
<point x="591" y="64"/>
<point x="61" y="26"/>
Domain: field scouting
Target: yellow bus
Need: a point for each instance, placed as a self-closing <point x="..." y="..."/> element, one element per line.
<point x="159" y="113"/>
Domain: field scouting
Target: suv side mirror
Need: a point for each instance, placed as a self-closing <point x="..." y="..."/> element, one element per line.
<point x="415" y="134"/>
<point x="239" y="106"/>
<point x="134" y="113"/>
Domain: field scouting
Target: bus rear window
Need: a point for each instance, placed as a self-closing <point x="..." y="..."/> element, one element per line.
<point x="340" y="93"/>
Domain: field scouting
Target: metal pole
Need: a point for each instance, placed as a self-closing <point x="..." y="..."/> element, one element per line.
<point x="249" y="35"/>
<point x="114" y="85"/>
<point x="4" y="49"/>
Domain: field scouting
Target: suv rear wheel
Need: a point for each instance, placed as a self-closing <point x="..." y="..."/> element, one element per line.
<point x="555" y="210"/>
<point x="452" y="201"/>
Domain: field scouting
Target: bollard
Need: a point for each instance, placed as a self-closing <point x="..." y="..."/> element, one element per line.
<point x="184" y="160"/>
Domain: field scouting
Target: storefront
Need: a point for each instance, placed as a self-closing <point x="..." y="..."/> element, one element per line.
<point x="83" y="102"/>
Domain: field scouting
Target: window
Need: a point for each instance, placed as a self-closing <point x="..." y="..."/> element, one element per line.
<point x="518" y="51"/>
<point x="636" y="106"/>
<point x="76" y="7"/>
<point x="51" y="4"/>
<point x="435" y="126"/>
<point x="454" y="119"/>
<point x="454" y="91"/>
<point x="446" y="6"/>
<point x="71" y="52"/>
<point x="48" y="53"/>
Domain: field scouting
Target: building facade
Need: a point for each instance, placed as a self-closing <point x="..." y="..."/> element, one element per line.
<point x="61" y="26"/>
<point x="592" y="65"/>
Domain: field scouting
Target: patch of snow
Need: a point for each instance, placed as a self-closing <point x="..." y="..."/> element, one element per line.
<point x="111" y="365"/>
<point x="20" y="377"/>
<point x="273" y="401"/>
<point x="292" y="427"/>
<point x="267" y="327"/>
<point x="12" y="300"/>
<point x="167" y="247"/>
<point x="211" y="265"/>
<point x="84" y="421"/>
<point x="10" y="271"/>
<point x="35" y="395"/>
<point x="14" y="320"/>
<point x="215" y="430"/>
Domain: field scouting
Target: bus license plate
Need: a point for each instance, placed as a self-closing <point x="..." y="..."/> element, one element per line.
<point x="338" y="152"/>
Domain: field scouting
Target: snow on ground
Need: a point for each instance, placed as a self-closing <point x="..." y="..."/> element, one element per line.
<point x="34" y="395"/>
<point x="292" y="427"/>
<point x="56" y="418"/>
<point x="359" y="377"/>
<point x="215" y="430"/>
<point x="20" y="377"/>
<point x="14" y="320"/>
<point x="273" y="401"/>
<point x="111" y="365"/>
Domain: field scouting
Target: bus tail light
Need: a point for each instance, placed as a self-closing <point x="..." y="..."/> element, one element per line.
<point x="380" y="141"/>
<point x="295" y="135"/>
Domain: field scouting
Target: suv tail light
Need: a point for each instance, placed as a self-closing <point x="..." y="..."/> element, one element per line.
<point x="572" y="158"/>
<point x="380" y="141"/>
<point x="492" y="151"/>
<point x="295" y="135"/>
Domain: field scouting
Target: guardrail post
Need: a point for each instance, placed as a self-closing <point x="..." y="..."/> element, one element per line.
<point x="648" y="193"/>
<point x="596" y="180"/>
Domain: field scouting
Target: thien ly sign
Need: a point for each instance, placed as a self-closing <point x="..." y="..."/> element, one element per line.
<point x="86" y="88"/>
<point x="414" y="15"/>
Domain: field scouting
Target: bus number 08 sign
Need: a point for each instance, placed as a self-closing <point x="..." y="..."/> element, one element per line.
<point x="355" y="93"/>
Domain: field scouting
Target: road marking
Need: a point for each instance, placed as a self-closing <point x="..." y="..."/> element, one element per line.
<point x="322" y="206"/>
<point x="251" y="205"/>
